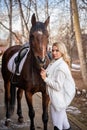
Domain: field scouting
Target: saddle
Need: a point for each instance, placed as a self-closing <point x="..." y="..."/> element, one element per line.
<point x="22" y="52"/>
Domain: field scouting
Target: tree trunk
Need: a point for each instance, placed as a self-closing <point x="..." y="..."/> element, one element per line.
<point x="79" y="41"/>
<point x="22" y="15"/>
<point x="46" y="8"/>
<point x="9" y="8"/>
<point x="10" y="22"/>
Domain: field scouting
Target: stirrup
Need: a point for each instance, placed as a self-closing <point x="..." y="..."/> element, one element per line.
<point x="17" y="69"/>
<point x="17" y="73"/>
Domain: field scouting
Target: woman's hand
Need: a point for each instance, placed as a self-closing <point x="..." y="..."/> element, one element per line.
<point x="43" y="73"/>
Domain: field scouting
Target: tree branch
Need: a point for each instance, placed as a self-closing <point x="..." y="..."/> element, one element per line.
<point x="11" y="32"/>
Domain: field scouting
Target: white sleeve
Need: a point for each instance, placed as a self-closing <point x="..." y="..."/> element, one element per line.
<point x="57" y="82"/>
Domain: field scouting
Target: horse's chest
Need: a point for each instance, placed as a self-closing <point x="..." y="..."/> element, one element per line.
<point x="36" y="78"/>
<point x="32" y="76"/>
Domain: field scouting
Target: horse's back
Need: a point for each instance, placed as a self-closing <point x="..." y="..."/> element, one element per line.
<point x="5" y="58"/>
<point x="10" y="51"/>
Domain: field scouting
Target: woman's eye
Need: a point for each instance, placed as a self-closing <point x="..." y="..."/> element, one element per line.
<point x="55" y="50"/>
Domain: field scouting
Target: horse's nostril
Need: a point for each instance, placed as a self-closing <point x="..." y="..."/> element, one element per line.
<point x="41" y="60"/>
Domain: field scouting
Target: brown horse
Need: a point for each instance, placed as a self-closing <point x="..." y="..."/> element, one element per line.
<point x="29" y="80"/>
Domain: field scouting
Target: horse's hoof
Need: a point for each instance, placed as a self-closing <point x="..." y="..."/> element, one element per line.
<point x="7" y="122"/>
<point x="20" y="120"/>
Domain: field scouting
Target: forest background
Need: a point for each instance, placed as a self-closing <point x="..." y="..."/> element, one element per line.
<point x="68" y="24"/>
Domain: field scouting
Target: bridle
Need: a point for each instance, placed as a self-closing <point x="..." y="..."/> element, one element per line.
<point x="39" y="29"/>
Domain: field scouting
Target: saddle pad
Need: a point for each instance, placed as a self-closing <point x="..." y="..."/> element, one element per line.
<point x="11" y="63"/>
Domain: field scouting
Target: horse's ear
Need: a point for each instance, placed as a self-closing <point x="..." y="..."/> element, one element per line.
<point x="47" y="21"/>
<point x="33" y="19"/>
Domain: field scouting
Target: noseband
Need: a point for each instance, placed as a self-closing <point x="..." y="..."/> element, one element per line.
<point x="41" y="62"/>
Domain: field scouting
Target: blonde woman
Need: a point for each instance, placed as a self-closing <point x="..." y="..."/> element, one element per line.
<point x="60" y="86"/>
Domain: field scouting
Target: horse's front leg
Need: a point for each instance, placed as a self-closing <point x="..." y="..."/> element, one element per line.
<point x="45" y="102"/>
<point x="19" y="109"/>
<point x="28" y="96"/>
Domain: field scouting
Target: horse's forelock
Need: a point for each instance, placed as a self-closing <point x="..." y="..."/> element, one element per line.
<point x="39" y="26"/>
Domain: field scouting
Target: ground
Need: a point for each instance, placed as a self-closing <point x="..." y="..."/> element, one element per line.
<point x="80" y="100"/>
<point x="78" y="107"/>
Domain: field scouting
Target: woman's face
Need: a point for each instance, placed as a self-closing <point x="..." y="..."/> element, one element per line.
<point x="56" y="53"/>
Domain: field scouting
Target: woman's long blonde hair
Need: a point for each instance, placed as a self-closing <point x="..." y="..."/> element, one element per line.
<point x="62" y="48"/>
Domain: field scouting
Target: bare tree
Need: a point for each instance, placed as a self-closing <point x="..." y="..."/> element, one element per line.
<point x="9" y="8"/>
<point x="22" y="15"/>
<point x="13" y="33"/>
<point x="79" y="41"/>
<point x="34" y="3"/>
<point x="46" y="15"/>
<point x="10" y="21"/>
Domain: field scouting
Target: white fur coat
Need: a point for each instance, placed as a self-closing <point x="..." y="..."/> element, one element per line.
<point x="60" y="84"/>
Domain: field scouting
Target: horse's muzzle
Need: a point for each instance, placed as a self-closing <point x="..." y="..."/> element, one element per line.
<point x="41" y="61"/>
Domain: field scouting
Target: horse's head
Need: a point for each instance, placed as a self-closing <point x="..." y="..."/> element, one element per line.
<point x="39" y="40"/>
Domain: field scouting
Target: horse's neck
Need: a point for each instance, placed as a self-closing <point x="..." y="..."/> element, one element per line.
<point x="34" y="65"/>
